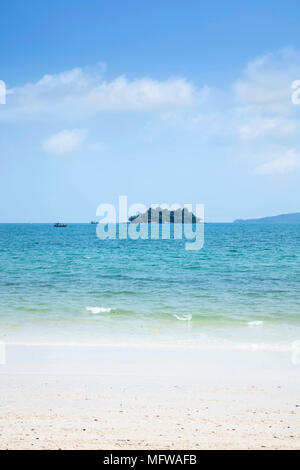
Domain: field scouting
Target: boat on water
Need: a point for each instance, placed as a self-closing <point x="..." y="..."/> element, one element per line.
<point x="58" y="224"/>
<point x="94" y="222"/>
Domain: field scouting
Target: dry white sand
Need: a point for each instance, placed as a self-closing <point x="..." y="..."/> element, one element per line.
<point x="140" y="398"/>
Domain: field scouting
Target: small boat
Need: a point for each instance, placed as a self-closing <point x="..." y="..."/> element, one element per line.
<point x="58" y="224"/>
<point x="94" y="222"/>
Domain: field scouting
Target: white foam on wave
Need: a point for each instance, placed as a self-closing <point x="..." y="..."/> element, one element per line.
<point x="255" y="323"/>
<point x="98" y="310"/>
<point x="184" y="317"/>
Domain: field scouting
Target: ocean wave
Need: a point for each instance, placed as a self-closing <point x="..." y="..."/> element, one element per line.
<point x="184" y="317"/>
<point x="98" y="310"/>
<point x="255" y="323"/>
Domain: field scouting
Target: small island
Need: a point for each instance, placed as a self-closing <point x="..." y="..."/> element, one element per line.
<point x="165" y="216"/>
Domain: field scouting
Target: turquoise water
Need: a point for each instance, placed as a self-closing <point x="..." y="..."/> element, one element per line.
<point x="67" y="286"/>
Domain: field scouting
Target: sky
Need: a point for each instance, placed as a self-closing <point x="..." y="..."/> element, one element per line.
<point x="164" y="102"/>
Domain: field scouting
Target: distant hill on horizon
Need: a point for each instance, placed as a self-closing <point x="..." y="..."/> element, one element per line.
<point x="277" y="219"/>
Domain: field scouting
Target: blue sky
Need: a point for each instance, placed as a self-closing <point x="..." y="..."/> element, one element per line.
<point x="172" y="101"/>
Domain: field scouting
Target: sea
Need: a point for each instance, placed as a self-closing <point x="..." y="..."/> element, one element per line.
<point x="66" y="286"/>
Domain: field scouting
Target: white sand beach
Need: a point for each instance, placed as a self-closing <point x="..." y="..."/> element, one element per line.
<point x="148" y="398"/>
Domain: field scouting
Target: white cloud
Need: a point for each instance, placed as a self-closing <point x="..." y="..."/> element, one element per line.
<point x="264" y="109"/>
<point x="257" y="107"/>
<point x="63" y="142"/>
<point x="267" y="126"/>
<point x="288" y="162"/>
<point x="263" y="97"/>
<point x="265" y="85"/>
<point x="140" y="94"/>
<point x="81" y="92"/>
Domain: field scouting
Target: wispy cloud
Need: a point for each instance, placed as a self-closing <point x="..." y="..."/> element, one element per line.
<point x="286" y="163"/>
<point x="255" y="113"/>
<point x="265" y="84"/>
<point x="66" y="141"/>
<point x="275" y="126"/>
<point x="262" y="95"/>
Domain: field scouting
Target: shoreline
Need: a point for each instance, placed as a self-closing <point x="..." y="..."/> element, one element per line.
<point x="261" y="357"/>
<point x="263" y="347"/>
